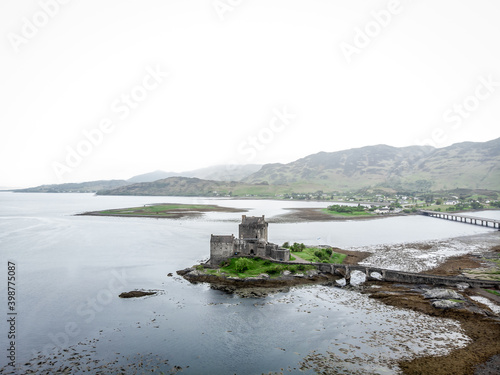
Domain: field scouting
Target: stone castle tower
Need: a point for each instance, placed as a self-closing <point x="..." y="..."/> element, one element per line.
<point x="253" y="227"/>
<point x="252" y="241"/>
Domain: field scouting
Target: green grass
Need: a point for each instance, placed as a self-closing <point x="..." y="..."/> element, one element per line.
<point x="456" y="300"/>
<point x="347" y="214"/>
<point x="316" y="255"/>
<point x="251" y="267"/>
<point x="493" y="292"/>
<point x="160" y="209"/>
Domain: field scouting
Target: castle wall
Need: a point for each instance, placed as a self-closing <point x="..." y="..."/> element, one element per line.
<point x="252" y="241"/>
<point x="221" y="248"/>
<point x="278" y="253"/>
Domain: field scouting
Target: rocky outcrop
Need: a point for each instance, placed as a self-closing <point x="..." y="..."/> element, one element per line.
<point x="135" y="294"/>
<point x="446" y="304"/>
<point x="442" y="294"/>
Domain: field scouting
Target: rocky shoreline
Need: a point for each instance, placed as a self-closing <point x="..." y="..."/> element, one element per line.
<point x="480" y="357"/>
<point x="259" y="286"/>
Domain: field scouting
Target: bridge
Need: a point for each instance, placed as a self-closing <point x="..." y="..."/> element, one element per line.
<point x="490" y="223"/>
<point x="344" y="271"/>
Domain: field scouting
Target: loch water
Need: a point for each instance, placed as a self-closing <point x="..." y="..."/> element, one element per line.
<point x="70" y="269"/>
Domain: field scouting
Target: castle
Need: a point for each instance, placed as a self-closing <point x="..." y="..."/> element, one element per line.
<point x="252" y="241"/>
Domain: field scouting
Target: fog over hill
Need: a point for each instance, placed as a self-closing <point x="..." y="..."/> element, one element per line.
<point x="468" y="165"/>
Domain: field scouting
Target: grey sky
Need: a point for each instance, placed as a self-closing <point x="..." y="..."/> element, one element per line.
<point x="114" y="88"/>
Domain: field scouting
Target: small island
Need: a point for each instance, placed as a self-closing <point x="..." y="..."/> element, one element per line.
<point x="250" y="261"/>
<point x="164" y="210"/>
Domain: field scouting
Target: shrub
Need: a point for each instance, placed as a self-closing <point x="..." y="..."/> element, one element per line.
<point x="242" y="264"/>
<point x="297" y="247"/>
<point x="286" y="245"/>
<point x="277" y="269"/>
<point x="292" y="269"/>
<point x="199" y="267"/>
<point x="321" y="255"/>
<point x="329" y="252"/>
<point x="301" y="267"/>
<point x="267" y="263"/>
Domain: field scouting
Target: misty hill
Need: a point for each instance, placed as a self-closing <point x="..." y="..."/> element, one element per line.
<point x="180" y="186"/>
<point x="217" y="172"/>
<point x="151" y="176"/>
<point x="417" y="168"/>
<point x="224" y="172"/>
<point x="465" y="165"/>
<point x="82" y="187"/>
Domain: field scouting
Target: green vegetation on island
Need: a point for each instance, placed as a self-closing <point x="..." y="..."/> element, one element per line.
<point x="166" y="210"/>
<point x="315" y="254"/>
<point x="251" y="267"/>
<point x="344" y="210"/>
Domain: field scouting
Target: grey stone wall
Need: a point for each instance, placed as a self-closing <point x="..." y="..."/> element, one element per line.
<point x="221" y="248"/>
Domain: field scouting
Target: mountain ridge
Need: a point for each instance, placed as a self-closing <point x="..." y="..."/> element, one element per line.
<point x="465" y="165"/>
<point x="462" y="165"/>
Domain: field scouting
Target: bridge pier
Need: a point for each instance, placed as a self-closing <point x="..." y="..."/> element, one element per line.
<point x="369" y="277"/>
<point x="343" y="271"/>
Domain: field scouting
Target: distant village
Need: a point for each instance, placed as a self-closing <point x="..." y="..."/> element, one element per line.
<point x="387" y="203"/>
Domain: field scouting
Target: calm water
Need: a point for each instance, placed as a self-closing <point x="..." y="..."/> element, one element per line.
<point x="70" y="270"/>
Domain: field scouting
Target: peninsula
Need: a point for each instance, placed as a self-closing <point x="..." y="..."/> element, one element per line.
<point x="164" y="210"/>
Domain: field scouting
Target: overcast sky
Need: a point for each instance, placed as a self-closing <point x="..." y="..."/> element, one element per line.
<point x="113" y="88"/>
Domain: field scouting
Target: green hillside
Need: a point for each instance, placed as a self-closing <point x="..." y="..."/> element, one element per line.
<point x="185" y="186"/>
<point x="417" y="168"/>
